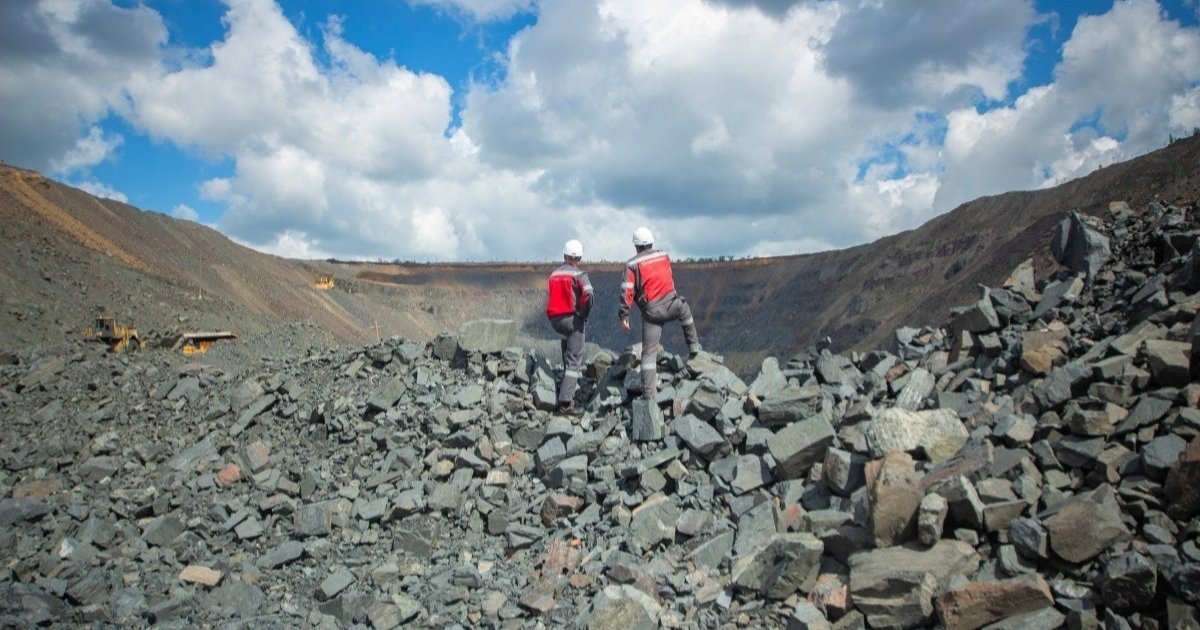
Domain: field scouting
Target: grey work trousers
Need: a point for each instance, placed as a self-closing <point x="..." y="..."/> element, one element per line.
<point x="572" y="328"/>
<point x="665" y="309"/>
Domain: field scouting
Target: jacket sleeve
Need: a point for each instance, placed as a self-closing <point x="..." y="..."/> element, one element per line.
<point x="626" y="293"/>
<point x="583" y="305"/>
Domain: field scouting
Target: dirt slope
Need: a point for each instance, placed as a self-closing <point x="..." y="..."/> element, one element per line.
<point x="67" y="256"/>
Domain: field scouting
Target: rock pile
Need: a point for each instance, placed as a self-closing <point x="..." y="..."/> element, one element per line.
<point x="1032" y="464"/>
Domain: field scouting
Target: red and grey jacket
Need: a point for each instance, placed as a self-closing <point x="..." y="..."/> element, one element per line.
<point x="570" y="292"/>
<point x="647" y="278"/>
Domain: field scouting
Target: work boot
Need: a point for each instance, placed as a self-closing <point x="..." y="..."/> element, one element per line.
<point x="569" y="410"/>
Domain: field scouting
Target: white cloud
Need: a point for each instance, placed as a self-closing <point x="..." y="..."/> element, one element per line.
<point x="263" y="96"/>
<point x="1185" y="110"/>
<point x="753" y="120"/>
<point x="288" y="184"/>
<point x="435" y="232"/>
<point x="480" y="10"/>
<point x="62" y="68"/>
<point x="904" y="52"/>
<point x="101" y="190"/>
<point x="348" y="151"/>
<point x="890" y="205"/>
<point x="730" y="128"/>
<point x="185" y="212"/>
<point x="1121" y="90"/>
<point x="674" y="110"/>
<point x="88" y="151"/>
<point x="788" y="247"/>
<point x="290" y="244"/>
<point x="217" y="189"/>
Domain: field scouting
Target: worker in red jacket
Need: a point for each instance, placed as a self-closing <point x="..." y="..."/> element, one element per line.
<point x="568" y="307"/>
<point x="649" y="282"/>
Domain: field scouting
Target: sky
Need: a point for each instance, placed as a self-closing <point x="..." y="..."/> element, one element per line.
<point x="480" y="130"/>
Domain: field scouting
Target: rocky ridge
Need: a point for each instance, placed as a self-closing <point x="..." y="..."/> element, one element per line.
<point x="1033" y="463"/>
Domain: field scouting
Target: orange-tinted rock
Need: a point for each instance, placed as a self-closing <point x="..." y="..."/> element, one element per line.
<point x="558" y="505"/>
<point x="894" y="492"/>
<point x="561" y="558"/>
<point x="229" y="475"/>
<point x="793" y="516"/>
<point x="1042" y="350"/>
<point x="1087" y="525"/>
<point x="38" y="489"/>
<point x="581" y="580"/>
<point x="198" y="574"/>
<point x="831" y="595"/>
<point x="980" y="603"/>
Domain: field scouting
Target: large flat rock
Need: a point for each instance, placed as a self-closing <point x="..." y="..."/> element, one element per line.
<point x="894" y="587"/>
<point x="937" y="433"/>
<point x="1087" y="525"/>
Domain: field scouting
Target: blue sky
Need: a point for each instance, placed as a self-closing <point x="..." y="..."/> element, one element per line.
<point x="496" y="129"/>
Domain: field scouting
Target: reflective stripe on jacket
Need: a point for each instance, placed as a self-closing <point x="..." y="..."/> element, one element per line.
<point x="569" y="292"/>
<point x="647" y="278"/>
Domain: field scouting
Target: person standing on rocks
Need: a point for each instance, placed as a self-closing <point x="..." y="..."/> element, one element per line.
<point x="568" y="306"/>
<point x="650" y="283"/>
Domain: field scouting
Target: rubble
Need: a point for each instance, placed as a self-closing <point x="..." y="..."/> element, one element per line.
<point x="1032" y="463"/>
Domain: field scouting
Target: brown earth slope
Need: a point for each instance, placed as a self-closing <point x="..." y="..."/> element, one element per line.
<point x="67" y="256"/>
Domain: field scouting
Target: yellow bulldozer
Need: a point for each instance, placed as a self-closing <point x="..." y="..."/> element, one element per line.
<point x="117" y="336"/>
<point x="324" y="283"/>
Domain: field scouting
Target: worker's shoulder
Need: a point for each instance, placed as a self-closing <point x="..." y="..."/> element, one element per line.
<point x="566" y="270"/>
<point x="648" y="255"/>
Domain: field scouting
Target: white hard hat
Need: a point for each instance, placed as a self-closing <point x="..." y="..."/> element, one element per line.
<point x="573" y="248"/>
<point x="643" y="236"/>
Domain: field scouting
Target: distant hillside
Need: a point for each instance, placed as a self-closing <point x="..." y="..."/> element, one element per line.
<point x="67" y="255"/>
<point x="858" y="296"/>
